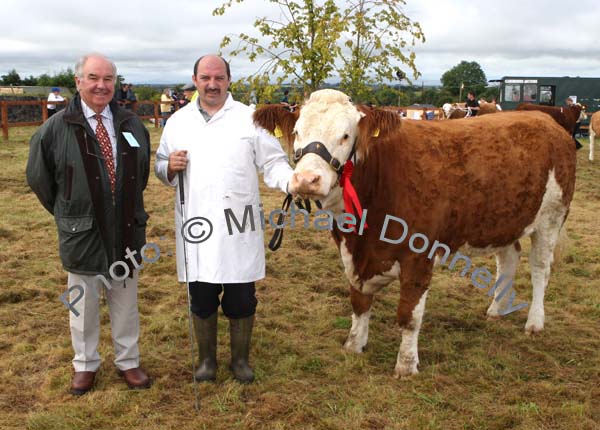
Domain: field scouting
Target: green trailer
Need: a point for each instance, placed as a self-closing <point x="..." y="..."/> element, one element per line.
<point x="549" y="91"/>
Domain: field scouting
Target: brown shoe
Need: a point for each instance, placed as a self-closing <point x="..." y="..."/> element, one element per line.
<point x="82" y="383"/>
<point x="135" y="378"/>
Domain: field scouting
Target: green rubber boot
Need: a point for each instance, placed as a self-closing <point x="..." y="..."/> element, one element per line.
<point x="206" y="336"/>
<point x="241" y="333"/>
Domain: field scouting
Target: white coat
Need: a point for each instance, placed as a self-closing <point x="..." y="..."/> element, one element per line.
<point x="224" y="155"/>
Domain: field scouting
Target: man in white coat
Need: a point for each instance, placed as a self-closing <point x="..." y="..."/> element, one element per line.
<point x="214" y="141"/>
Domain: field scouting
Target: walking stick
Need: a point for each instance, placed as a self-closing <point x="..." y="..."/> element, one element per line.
<point x="187" y="285"/>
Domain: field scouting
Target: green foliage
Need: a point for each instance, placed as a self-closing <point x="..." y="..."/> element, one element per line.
<point x="11" y="78"/>
<point x="386" y="96"/>
<point x="465" y="73"/>
<point x="312" y="40"/>
<point x="302" y="45"/>
<point x="374" y="34"/>
<point x="30" y="81"/>
<point x="147" y="93"/>
<point x="64" y="78"/>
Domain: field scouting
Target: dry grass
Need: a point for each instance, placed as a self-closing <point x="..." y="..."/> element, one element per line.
<point x="474" y="374"/>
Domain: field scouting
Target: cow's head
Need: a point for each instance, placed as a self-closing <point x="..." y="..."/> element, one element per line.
<point x="328" y="120"/>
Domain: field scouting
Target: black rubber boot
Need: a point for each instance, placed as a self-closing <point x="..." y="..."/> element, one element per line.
<point x="206" y="336"/>
<point x="241" y="333"/>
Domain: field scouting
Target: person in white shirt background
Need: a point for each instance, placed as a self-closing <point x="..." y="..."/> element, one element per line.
<point x="54" y="96"/>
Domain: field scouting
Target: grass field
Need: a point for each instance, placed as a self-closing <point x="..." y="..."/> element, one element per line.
<point x="474" y="374"/>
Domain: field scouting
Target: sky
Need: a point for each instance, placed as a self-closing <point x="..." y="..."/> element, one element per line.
<point x="158" y="41"/>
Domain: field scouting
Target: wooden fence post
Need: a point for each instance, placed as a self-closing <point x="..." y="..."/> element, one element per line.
<point x="44" y="105"/>
<point x="4" y="114"/>
<point x="156" y="124"/>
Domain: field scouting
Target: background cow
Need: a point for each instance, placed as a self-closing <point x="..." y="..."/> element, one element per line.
<point x="481" y="183"/>
<point x="593" y="130"/>
<point x="565" y="116"/>
<point x="458" y="110"/>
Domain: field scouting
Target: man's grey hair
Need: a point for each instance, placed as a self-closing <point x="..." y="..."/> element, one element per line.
<point x="79" y="65"/>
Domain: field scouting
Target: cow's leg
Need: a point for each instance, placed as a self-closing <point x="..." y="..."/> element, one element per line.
<point x="592" y="139"/>
<point x="507" y="261"/>
<point x="414" y="280"/>
<point x="361" y="312"/>
<point x="543" y="242"/>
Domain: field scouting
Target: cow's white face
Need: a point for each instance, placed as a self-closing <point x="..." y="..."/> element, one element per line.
<point x="330" y="118"/>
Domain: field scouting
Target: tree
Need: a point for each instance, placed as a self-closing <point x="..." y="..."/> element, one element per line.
<point x="465" y="76"/>
<point x="30" y="81"/>
<point x="302" y="45"/>
<point x="65" y="78"/>
<point x="11" y="78"/>
<point x="374" y="35"/>
<point x="312" y="40"/>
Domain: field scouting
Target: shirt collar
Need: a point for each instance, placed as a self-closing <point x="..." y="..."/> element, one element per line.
<point x="228" y="105"/>
<point x="89" y="113"/>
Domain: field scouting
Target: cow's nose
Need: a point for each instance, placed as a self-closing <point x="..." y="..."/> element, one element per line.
<point x="306" y="182"/>
<point x="308" y="178"/>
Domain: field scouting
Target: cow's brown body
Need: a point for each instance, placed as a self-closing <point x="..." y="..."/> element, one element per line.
<point x="565" y="116"/>
<point x="483" y="182"/>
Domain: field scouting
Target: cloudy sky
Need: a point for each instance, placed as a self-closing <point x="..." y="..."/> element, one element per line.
<point x="158" y="41"/>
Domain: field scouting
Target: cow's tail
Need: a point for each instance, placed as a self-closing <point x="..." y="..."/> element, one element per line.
<point x="561" y="247"/>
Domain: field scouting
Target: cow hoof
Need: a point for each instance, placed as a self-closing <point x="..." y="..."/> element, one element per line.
<point x="350" y="346"/>
<point x="493" y="317"/>
<point x="533" y="328"/>
<point x="493" y="311"/>
<point x="405" y="371"/>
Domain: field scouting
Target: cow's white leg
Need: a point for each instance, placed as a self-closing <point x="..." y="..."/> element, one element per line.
<point x="507" y="261"/>
<point x="408" y="355"/>
<point x="548" y="223"/>
<point x="361" y="312"/>
<point x="592" y="139"/>
<point x="540" y="258"/>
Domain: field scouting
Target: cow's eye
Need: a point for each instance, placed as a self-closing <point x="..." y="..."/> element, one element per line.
<point x="345" y="137"/>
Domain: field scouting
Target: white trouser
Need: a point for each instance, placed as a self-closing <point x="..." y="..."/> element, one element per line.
<point x="124" y="321"/>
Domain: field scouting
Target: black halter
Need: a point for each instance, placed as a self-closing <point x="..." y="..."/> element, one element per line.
<point x="319" y="149"/>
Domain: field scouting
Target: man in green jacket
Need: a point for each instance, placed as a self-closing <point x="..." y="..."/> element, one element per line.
<point x="88" y="166"/>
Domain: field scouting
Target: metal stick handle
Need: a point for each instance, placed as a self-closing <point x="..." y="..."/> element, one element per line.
<point x="187" y="285"/>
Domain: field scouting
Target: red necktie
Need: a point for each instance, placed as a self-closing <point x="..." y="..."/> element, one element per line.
<point x="106" y="148"/>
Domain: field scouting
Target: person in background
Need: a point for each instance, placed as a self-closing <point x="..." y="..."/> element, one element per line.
<point x="131" y="97"/>
<point x="189" y="93"/>
<point x="88" y="166"/>
<point x="471" y="103"/>
<point x="165" y="106"/>
<point x="54" y="96"/>
<point x="125" y="97"/>
<point x="582" y="115"/>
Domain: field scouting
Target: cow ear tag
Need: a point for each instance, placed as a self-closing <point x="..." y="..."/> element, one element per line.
<point x="278" y="133"/>
<point x="376" y="133"/>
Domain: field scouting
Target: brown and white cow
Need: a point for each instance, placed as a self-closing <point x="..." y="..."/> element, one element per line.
<point x="459" y="110"/>
<point x="482" y="183"/>
<point x="593" y="131"/>
<point x="565" y="116"/>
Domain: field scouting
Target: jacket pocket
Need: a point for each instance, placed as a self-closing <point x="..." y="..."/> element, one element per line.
<point x="141" y="219"/>
<point x="80" y="245"/>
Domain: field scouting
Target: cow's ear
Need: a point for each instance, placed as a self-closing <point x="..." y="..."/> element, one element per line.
<point x="278" y="121"/>
<point x="376" y="124"/>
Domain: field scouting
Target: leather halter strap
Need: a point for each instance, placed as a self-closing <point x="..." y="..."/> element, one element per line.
<point x="319" y="149"/>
